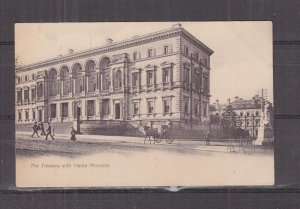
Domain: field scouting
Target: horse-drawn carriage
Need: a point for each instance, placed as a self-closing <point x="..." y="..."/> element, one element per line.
<point x="165" y="132"/>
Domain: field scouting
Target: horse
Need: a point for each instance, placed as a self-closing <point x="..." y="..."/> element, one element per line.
<point x="148" y="132"/>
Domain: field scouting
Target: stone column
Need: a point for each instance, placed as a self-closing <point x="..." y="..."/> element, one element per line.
<point x="101" y="81"/>
<point x="112" y="78"/>
<point x="97" y="109"/>
<point x="29" y="94"/>
<point x="59" y="87"/>
<point x="70" y="110"/>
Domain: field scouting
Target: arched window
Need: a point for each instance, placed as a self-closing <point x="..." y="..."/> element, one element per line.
<point x="118" y="79"/>
<point x="91" y="76"/>
<point x="53" y="84"/>
<point x="77" y="75"/>
<point x="65" y="80"/>
<point x="104" y="65"/>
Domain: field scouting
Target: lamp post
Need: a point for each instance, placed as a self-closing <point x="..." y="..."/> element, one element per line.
<point x="78" y="112"/>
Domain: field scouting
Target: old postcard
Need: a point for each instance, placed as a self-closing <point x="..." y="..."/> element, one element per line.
<point x="144" y="104"/>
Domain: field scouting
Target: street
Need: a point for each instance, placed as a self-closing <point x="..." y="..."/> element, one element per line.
<point x="127" y="161"/>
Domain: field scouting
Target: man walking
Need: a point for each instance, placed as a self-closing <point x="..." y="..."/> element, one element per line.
<point x="35" y="128"/>
<point x="43" y="133"/>
<point x="207" y="138"/>
<point x="73" y="134"/>
<point x="49" y="131"/>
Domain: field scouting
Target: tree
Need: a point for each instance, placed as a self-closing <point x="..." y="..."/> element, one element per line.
<point x="229" y="121"/>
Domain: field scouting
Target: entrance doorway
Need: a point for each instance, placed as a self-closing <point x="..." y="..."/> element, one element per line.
<point x="117" y="111"/>
<point x="40" y="115"/>
<point x="78" y="112"/>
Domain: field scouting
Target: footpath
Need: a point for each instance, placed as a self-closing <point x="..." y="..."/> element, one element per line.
<point x="184" y="143"/>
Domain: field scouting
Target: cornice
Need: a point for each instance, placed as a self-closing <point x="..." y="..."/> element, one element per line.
<point x="104" y="49"/>
<point x="140" y="40"/>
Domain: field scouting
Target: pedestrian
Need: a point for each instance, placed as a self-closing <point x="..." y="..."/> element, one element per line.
<point x="49" y="132"/>
<point x="35" y="128"/>
<point x="73" y="134"/>
<point x="43" y="133"/>
<point x="207" y="138"/>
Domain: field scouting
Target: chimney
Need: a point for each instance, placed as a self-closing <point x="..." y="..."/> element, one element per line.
<point x="228" y="101"/>
<point x="217" y="102"/>
<point x="71" y="51"/>
<point x="109" y="41"/>
<point x="178" y="25"/>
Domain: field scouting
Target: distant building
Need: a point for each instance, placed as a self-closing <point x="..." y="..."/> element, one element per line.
<point x="252" y="113"/>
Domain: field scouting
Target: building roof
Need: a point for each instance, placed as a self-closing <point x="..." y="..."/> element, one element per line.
<point x="136" y="40"/>
<point x="239" y="103"/>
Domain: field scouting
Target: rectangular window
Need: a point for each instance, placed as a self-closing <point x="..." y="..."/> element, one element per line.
<point x="149" y="77"/>
<point x="20" y="115"/>
<point x="33" y="114"/>
<point x="33" y="77"/>
<point x="197" y="81"/>
<point x="26" y="114"/>
<point x="166" y="49"/>
<point x="241" y="113"/>
<point x="186" y="107"/>
<point x="135" y="108"/>
<point x="106" y="83"/>
<point x="257" y="113"/>
<point x="26" y="94"/>
<point x="197" y="56"/>
<point x="90" y="107"/>
<point x="186" y="50"/>
<point x="166" y="75"/>
<point x="196" y="108"/>
<point x="187" y="76"/>
<point x="33" y="94"/>
<point x="105" y="107"/>
<point x="205" y="84"/>
<point x="150" y="107"/>
<point x="53" y="110"/>
<point x="257" y="122"/>
<point x="166" y="106"/>
<point x="205" y="108"/>
<point x="64" y="110"/>
<point x="19" y="95"/>
<point x="150" y="52"/>
<point x="135" y="56"/>
<point x="135" y="79"/>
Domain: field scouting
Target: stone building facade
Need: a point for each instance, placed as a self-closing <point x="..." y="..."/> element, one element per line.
<point x="162" y="76"/>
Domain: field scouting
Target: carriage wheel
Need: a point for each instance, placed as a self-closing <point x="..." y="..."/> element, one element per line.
<point x="158" y="139"/>
<point x="170" y="139"/>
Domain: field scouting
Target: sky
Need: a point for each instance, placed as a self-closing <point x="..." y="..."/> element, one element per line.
<point x="242" y="62"/>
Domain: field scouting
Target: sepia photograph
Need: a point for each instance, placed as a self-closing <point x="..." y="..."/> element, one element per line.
<point x="144" y="104"/>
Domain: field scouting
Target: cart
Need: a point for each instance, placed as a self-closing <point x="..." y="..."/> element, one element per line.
<point x="166" y="133"/>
